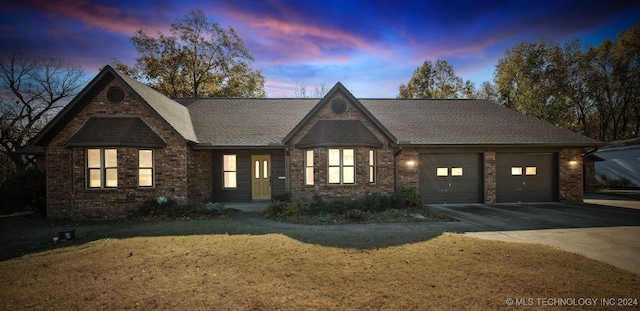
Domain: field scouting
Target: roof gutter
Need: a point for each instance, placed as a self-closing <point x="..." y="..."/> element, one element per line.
<point x="250" y="147"/>
<point x="519" y="145"/>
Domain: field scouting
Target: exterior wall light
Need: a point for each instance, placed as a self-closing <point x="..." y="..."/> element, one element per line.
<point x="411" y="163"/>
<point x="573" y="162"/>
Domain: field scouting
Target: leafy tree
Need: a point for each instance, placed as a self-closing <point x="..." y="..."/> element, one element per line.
<point x="198" y="59"/>
<point x="594" y="92"/>
<point x="531" y="77"/>
<point x="32" y="90"/>
<point x="436" y="81"/>
<point x="488" y="91"/>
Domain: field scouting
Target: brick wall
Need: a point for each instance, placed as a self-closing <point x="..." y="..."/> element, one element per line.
<point x="200" y="176"/>
<point x="570" y="171"/>
<point x="67" y="195"/>
<point x="407" y="164"/>
<point x="384" y="161"/>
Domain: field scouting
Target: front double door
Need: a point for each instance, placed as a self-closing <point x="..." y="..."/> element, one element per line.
<point x="260" y="177"/>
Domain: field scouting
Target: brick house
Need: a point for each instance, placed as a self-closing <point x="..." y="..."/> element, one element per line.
<point x="119" y="143"/>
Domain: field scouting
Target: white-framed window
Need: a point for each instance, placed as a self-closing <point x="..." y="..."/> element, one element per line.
<point x="516" y="171"/>
<point x="102" y="168"/>
<point x="146" y="176"/>
<point x="229" y="171"/>
<point x="372" y="166"/>
<point x="342" y="166"/>
<point x="442" y="171"/>
<point x="308" y="167"/>
<point x="531" y="170"/>
<point x="456" y="171"/>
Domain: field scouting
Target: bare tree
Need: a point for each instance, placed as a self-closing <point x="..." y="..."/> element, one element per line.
<point x="301" y="91"/>
<point x="32" y="90"/>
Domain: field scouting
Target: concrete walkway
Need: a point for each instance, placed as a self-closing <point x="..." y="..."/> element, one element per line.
<point x="605" y="228"/>
<point x="611" y="200"/>
<point x="616" y="245"/>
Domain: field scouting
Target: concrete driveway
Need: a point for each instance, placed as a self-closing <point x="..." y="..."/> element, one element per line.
<point x="595" y="229"/>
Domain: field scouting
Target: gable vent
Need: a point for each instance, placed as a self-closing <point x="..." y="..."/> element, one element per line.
<point x="338" y="106"/>
<point x="115" y="95"/>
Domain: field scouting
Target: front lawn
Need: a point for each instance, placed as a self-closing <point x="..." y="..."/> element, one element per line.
<point x="277" y="272"/>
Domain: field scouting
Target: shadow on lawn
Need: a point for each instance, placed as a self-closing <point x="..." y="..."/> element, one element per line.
<point x="22" y="235"/>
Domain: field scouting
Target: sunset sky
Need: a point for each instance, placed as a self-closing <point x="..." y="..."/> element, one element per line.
<point x="370" y="46"/>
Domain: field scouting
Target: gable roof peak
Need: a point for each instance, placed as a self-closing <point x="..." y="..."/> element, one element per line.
<point x="339" y="87"/>
<point x="174" y="115"/>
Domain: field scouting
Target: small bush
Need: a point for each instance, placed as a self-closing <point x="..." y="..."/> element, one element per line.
<point x="283" y="197"/>
<point x="356" y="215"/>
<point x="163" y="207"/>
<point x="406" y="197"/>
<point x="160" y="206"/>
<point x="411" y="197"/>
<point x="217" y="208"/>
<point x="277" y="209"/>
<point x="374" y="202"/>
<point x="316" y="207"/>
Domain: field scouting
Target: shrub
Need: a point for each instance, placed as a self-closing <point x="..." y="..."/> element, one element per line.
<point x="374" y="202"/>
<point x="277" y="209"/>
<point x="168" y="207"/>
<point x="283" y="197"/>
<point x="24" y="191"/>
<point x="217" y="208"/>
<point x="316" y="207"/>
<point x="356" y="215"/>
<point x="411" y="197"/>
<point x="159" y="206"/>
<point x="371" y="203"/>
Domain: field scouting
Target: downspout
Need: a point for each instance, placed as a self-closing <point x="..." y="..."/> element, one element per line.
<point x="287" y="171"/>
<point x="395" y="168"/>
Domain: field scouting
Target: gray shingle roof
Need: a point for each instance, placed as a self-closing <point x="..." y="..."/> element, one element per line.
<point x="466" y="122"/>
<point x="229" y="123"/>
<point x="176" y="115"/>
<point x="236" y="122"/>
<point x="116" y="131"/>
<point x="225" y="122"/>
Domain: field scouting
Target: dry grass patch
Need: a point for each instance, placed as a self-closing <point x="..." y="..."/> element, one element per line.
<point x="275" y="272"/>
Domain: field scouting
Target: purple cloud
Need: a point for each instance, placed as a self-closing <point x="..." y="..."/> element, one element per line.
<point x="370" y="46"/>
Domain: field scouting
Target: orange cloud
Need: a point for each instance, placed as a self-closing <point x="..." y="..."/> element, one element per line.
<point x="292" y="39"/>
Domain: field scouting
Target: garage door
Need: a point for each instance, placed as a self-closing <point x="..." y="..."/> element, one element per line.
<point x="526" y="177"/>
<point x="451" y="178"/>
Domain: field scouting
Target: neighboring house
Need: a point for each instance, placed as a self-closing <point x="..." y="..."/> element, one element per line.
<point x="619" y="167"/>
<point x="119" y="143"/>
<point x="589" y="160"/>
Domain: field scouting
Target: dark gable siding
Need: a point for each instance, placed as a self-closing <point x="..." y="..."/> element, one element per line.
<point x="243" y="158"/>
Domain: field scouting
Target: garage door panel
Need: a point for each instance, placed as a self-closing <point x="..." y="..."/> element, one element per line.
<point x="526" y="177"/>
<point x="450" y="178"/>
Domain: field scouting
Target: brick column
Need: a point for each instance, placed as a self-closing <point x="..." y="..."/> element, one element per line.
<point x="489" y="176"/>
<point x="570" y="171"/>
<point x="408" y="168"/>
